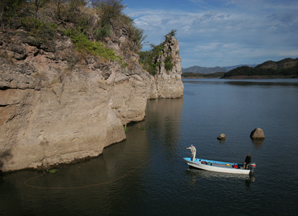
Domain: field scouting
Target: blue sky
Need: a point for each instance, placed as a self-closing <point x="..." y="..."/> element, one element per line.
<point x="221" y="32"/>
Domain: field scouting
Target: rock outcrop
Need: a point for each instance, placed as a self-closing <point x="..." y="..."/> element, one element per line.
<point x="56" y="108"/>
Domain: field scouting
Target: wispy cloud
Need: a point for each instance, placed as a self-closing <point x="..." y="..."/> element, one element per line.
<point x="233" y="32"/>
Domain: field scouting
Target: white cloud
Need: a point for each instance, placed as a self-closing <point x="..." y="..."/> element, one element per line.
<point x="232" y="33"/>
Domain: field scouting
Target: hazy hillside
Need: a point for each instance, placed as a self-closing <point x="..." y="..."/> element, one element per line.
<point x="286" y="68"/>
<point x="204" y="70"/>
<point x="200" y="75"/>
<point x="282" y="64"/>
<point x="235" y="66"/>
<point x="208" y="70"/>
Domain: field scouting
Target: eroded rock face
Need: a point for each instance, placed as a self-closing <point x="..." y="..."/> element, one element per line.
<point x="53" y="111"/>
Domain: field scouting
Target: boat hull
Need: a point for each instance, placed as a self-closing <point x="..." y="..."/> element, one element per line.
<point x="216" y="166"/>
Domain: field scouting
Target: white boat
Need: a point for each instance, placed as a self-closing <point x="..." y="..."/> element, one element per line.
<point x="219" y="166"/>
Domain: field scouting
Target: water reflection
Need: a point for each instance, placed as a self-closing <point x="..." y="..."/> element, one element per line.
<point x="245" y="82"/>
<point x="197" y="174"/>
<point x="206" y="174"/>
<point x="251" y="178"/>
<point x="258" y="143"/>
<point x="163" y="119"/>
<point x="221" y="141"/>
<point x="188" y="93"/>
<point x="262" y="83"/>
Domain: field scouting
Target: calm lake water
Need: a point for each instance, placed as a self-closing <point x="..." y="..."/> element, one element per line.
<point x="146" y="175"/>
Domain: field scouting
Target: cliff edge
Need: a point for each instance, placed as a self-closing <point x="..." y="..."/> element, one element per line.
<point x="59" y="103"/>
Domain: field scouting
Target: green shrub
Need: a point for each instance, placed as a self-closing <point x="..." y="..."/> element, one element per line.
<point x="137" y="36"/>
<point x="148" y="59"/>
<point x="126" y="20"/>
<point x="172" y="33"/>
<point x="85" y="46"/>
<point x="39" y="29"/>
<point x="168" y="63"/>
<point x="52" y="170"/>
<point x="103" y="32"/>
<point x="110" y="9"/>
<point x="10" y="11"/>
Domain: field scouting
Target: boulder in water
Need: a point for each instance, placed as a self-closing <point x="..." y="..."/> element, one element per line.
<point x="221" y="137"/>
<point x="257" y="133"/>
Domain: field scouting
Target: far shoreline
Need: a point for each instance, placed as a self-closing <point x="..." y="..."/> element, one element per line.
<point x="242" y="77"/>
<point x="259" y="77"/>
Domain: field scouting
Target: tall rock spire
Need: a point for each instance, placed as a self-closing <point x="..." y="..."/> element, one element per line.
<point x="168" y="78"/>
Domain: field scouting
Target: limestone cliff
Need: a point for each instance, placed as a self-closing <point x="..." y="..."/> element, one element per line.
<point x="57" y="106"/>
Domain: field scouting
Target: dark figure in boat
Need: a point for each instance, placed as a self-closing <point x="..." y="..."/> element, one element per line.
<point x="247" y="161"/>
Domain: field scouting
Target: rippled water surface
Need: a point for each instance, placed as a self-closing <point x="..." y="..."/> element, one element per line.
<point x="146" y="175"/>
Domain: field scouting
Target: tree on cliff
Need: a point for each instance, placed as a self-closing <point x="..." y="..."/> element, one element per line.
<point x="111" y="10"/>
<point x="8" y="10"/>
<point x="172" y="33"/>
<point x="108" y="10"/>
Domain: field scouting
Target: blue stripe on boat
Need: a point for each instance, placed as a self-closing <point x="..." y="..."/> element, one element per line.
<point x="211" y="161"/>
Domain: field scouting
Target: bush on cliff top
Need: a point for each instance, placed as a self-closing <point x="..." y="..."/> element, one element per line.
<point x="39" y="29"/>
<point x="85" y="46"/>
<point x="109" y="10"/>
<point x="43" y="19"/>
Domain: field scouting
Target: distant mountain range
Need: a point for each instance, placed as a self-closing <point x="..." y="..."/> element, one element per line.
<point x="208" y="70"/>
<point x="282" y="64"/>
<point x="286" y="68"/>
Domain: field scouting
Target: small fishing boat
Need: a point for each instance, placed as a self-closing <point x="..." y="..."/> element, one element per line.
<point x="219" y="166"/>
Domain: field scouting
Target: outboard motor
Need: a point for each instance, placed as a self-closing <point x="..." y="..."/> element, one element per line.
<point x="252" y="167"/>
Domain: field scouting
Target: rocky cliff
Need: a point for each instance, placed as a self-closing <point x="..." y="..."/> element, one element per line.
<point x="57" y="106"/>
